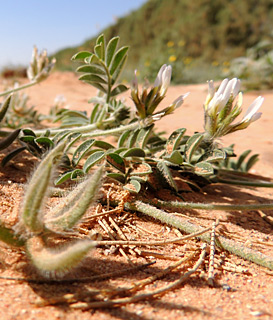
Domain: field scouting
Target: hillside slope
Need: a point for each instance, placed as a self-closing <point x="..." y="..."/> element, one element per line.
<point x="182" y="31"/>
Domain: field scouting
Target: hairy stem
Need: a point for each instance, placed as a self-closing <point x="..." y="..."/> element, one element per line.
<point x="188" y="227"/>
<point x="24" y="86"/>
<point x="91" y="127"/>
<point x="113" y="131"/>
<point x="210" y="206"/>
<point x="54" y="131"/>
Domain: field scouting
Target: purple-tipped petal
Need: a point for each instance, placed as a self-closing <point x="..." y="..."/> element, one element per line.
<point x="253" y="108"/>
<point x="256" y="116"/>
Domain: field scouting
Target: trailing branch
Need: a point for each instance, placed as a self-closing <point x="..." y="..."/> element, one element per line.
<point x="220" y="241"/>
<point x="210" y="206"/>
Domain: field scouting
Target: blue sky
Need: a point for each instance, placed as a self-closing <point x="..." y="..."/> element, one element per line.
<point x="53" y="24"/>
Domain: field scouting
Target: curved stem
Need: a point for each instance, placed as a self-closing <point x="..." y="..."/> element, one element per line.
<point x="91" y="127"/>
<point x="113" y="131"/>
<point x="55" y="131"/>
<point x="221" y="242"/>
<point x="25" y="86"/>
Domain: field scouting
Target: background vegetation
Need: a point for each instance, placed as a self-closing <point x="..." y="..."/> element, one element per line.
<point x="199" y="38"/>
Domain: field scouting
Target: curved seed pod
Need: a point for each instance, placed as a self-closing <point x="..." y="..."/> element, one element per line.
<point x="52" y="262"/>
<point x="72" y="197"/>
<point x="36" y="192"/>
<point x="74" y="210"/>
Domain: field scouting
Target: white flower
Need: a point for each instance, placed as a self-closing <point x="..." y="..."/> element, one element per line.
<point x="163" y="79"/>
<point x="221" y="109"/>
<point x="176" y="104"/>
<point x="216" y="101"/>
<point x="251" y="113"/>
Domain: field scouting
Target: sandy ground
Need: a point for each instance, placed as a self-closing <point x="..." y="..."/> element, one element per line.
<point x="236" y="295"/>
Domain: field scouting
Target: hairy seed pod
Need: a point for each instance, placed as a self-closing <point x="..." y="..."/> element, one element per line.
<point x="36" y="192"/>
<point x="57" y="261"/>
<point x="74" y="210"/>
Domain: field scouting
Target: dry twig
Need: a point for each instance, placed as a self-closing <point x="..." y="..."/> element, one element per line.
<point x="142" y="296"/>
<point x="211" y="257"/>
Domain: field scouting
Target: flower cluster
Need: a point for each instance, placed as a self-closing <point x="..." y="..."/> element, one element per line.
<point x="40" y="66"/>
<point x="221" y="111"/>
<point x="147" y="101"/>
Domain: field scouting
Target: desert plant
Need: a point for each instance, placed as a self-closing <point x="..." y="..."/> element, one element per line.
<point x="137" y="139"/>
<point x="140" y="159"/>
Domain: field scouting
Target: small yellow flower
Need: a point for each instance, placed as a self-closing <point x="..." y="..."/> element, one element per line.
<point x="215" y="63"/>
<point x="172" y="58"/>
<point x="226" y="63"/>
<point x="170" y="44"/>
<point x="225" y="70"/>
